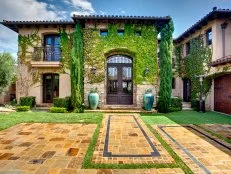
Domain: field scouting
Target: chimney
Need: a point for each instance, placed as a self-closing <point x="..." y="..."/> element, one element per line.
<point x="214" y="8"/>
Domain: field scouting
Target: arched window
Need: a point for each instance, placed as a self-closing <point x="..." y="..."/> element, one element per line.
<point x="119" y="59"/>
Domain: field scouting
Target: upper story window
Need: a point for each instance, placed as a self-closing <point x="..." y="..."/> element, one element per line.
<point x="103" y="32"/>
<point x="138" y="33"/>
<point x="120" y="32"/>
<point x="187" y="47"/>
<point x="51" y="47"/>
<point x="209" y="37"/>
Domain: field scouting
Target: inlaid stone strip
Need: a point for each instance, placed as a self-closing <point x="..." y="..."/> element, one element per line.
<point x="201" y="152"/>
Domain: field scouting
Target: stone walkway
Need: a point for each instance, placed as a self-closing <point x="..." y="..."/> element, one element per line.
<point x="222" y="129"/>
<point x="201" y="152"/>
<point x="125" y="139"/>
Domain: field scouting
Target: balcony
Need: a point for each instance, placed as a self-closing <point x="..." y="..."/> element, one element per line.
<point x="46" y="57"/>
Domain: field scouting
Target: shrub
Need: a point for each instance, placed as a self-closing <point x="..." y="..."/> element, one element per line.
<point x="174" y="109"/>
<point x="176" y="102"/>
<point x="195" y="104"/>
<point x="58" y="110"/>
<point x="23" y="108"/>
<point x="27" y="101"/>
<point x="62" y="102"/>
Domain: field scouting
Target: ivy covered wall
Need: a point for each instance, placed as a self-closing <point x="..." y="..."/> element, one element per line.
<point x="143" y="50"/>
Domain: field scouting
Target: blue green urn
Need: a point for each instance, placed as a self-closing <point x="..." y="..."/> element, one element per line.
<point x="148" y="101"/>
<point x="93" y="99"/>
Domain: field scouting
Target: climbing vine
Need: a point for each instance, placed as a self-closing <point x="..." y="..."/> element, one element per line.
<point x="76" y="68"/>
<point x="143" y="50"/>
<point x="26" y="41"/>
<point x="166" y="46"/>
<point x="198" y="63"/>
<point x="178" y="52"/>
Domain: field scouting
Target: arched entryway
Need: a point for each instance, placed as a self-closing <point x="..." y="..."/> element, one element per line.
<point x="119" y="80"/>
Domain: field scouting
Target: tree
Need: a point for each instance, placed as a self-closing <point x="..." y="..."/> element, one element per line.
<point x="7" y="70"/>
<point x="166" y="46"/>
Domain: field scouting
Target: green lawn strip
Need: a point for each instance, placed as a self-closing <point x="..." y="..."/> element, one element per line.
<point x="186" y="117"/>
<point x="87" y="162"/>
<point x="10" y="119"/>
<point x="179" y="162"/>
<point x="215" y="134"/>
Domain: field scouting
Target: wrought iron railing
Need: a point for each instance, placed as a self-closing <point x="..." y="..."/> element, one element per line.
<point x="46" y="53"/>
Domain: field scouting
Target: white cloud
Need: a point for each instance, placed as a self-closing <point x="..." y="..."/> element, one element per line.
<point x="83" y="7"/>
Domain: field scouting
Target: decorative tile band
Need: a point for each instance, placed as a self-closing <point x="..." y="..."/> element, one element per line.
<point x="106" y="153"/>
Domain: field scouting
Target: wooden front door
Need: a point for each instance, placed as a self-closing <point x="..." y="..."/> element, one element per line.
<point x="186" y="90"/>
<point x="222" y="94"/>
<point x="50" y="87"/>
<point x="119" y="80"/>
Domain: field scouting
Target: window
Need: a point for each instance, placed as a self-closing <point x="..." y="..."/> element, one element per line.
<point x="120" y="32"/>
<point x="51" y="47"/>
<point x="173" y="83"/>
<point x="138" y="33"/>
<point x="209" y="37"/>
<point x="103" y="32"/>
<point x="187" y="48"/>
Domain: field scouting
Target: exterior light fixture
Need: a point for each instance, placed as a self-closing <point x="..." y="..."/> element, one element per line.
<point x="93" y="70"/>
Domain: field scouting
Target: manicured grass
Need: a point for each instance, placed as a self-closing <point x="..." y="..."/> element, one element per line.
<point x="186" y="117"/>
<point x="10" y="119"/>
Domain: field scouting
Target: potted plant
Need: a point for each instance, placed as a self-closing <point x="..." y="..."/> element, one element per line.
<point x="148" y="99"/>
<point x="93" y="98"/>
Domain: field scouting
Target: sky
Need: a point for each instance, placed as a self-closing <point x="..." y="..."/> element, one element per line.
<point x="183" y="12"/>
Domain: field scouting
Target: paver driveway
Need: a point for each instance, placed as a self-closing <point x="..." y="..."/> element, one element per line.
<point x="42" y="147"/>
<point x="201" y="152"/>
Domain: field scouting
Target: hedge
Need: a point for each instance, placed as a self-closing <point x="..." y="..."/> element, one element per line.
<point x="176" y="104"/>
<point x="62" y="103"/>
<point x="58" y="110"/>
<point x="27" y="101"/>
<point x="22" y="108"/>
<point x="195" y="104"/>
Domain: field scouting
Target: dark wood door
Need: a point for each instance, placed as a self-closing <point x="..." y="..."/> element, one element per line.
<point x="186" y="90"/>
<point x="50" y="87"/>
<point x="222" y="94"/>
<point x="119" y="81"/>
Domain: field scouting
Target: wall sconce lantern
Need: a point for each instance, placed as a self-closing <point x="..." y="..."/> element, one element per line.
<point x="93" y="70"/>
<point x="146" y="71"/>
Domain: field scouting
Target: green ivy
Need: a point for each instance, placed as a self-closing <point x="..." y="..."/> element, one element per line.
<point x="198" y="63"/>
<point x="76" y="68"/>
<point x="166" y="46"/>
<point x="178" y="52"/>
<point x="143" y="50"/>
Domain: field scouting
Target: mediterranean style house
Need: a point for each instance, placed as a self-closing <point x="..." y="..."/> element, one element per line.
<point x="215" y="29"/>
<point x="120" y="58"/>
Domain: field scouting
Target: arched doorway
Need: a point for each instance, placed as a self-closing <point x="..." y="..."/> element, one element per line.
<point x="119" y="80"/>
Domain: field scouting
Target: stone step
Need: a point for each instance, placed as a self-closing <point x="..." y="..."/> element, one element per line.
<point x="121" y="110"/>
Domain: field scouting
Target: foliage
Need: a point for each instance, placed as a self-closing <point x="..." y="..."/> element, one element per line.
<point x="195" y="104"/>
<point x="178" y="52"/>
<point x="27" y="101"/>
<point x="58" y="110"/>
<point x="7" y="71"/>
<point x="174" y="109"/>
<point x="200" y="57"/>
<point x="62" y="102"/>
<point x="94" y="90"/>
<point x="143" y="50"/>
<point x="77" y="65"/>
<point x="22" y="108"/>
<point x="24" y="42"/>
<point x="176" y="102"/>
<point x="66" y="43"/>
<point x="166" y="46"/>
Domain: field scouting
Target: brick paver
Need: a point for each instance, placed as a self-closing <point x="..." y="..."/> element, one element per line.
<point x="125" y="139"/>
<point x="222" y="129"/>
<point x="200" y="153"/>
<point x="41" y="147"/>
